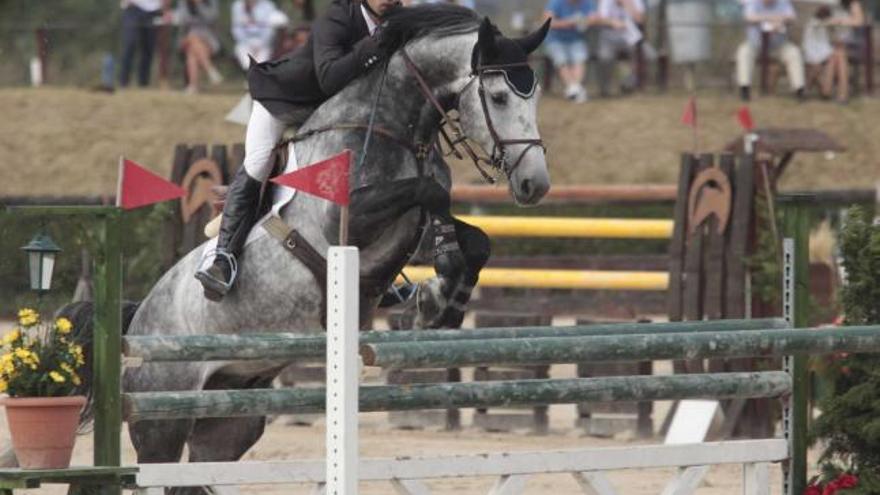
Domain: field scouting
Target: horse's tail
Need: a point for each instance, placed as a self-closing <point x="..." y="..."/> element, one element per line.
<point x="81" y="315"/>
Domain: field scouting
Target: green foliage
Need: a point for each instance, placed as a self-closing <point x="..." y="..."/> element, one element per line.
<point x="144" y="254"/>
<point x="764" y="263"/>
<point x="850" y="421"/>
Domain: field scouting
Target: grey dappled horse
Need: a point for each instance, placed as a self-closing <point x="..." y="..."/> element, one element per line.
<point x="396" y="192"/>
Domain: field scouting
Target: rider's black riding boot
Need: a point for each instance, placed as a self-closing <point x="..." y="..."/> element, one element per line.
<point x="239" y="215"/>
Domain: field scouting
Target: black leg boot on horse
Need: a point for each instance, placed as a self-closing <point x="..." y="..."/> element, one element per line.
<point x="239" y="215"/>
<point x="460" y="252"/>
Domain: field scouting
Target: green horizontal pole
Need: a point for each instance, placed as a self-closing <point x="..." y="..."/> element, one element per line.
<point x="248" y="403"/>
<point x="290" y="346"/>
<point x="622" y="347"/>
<point x="63" y="210"/>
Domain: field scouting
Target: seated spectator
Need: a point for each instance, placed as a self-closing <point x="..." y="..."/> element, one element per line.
<point x="565" y="43"/>
<point x="198" y="41"/>
<point x="254" y="23"/>
<point x="768" y="16"/>
<point x="619" y="32"/>
<point x="292" y="40"/>
<point x="844" y="20"/>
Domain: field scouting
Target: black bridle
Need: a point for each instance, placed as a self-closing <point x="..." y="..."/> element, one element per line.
<point x="461" y="142"/>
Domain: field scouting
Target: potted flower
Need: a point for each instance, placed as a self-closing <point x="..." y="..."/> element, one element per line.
<point x="38" y="372"/>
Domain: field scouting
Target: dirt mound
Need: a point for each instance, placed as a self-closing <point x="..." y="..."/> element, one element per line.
<point x="68" y="141"/>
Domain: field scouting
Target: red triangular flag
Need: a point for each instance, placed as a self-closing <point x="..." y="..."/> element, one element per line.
<point x="744" y="116"/>
<point x="140" y="187"/>
<point x="326" y="179"/>
<point x="689" y="117"/>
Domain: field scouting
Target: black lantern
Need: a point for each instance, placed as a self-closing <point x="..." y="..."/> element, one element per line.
<point x="41" y="261"/>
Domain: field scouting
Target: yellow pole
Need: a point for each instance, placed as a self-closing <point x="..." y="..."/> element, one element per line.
<point x="597" y="228"/>
<point x="558" y="279"/>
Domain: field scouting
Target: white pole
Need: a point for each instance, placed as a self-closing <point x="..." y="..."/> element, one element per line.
<point x="343" y="370"/>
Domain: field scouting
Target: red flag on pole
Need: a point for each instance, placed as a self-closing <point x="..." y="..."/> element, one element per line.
<point x="744" y="116"/>
<point x="689" y="117"/>
<point x="326" y="179"/>
<point x="140" y="187"/>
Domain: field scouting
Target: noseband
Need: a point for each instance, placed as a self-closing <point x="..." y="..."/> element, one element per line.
<point x="460" y="142"/>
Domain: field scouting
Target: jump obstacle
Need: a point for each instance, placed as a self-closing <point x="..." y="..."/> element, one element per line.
<point x="673" y="340"/>
<point x="558" y="227"/>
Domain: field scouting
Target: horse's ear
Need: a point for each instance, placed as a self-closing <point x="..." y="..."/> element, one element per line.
<point x="531" y="42"/>
<point x="487" y="43"/>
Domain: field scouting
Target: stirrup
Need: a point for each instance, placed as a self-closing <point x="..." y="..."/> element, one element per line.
<point x="398" y="294"/>
<point x="233" y="269"/>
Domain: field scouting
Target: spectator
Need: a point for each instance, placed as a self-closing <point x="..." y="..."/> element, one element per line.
<point x="292" y="40"/>
<point x="139" y="31"/>
<point x="254" y="23"/>
<point x="619" y="32"/>
<point x="816" y="42"/>
<point x="768" y="16"/>
<point x="198" y="41"/>
<point x="565" y="43"/>
<point x="464" y="3"/>
<point x="845" y="19"/>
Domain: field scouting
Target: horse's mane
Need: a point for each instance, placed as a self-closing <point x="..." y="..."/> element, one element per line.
<point x="404" y="24"/>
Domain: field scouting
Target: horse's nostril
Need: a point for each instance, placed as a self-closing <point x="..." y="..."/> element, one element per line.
<point x="526" y="188"/>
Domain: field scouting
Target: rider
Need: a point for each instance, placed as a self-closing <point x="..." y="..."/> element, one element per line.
<point x="344" y="44"/>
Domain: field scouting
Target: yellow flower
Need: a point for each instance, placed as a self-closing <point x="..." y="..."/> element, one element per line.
<point x="22" y="353"/>
<point x="56" y="377"/>
<point x="63" y="325"/>
<point x="75" y="379"/>
<point x="77" y="352"/>
<point x="67" y="368"/>
<point x="11" y="337"/>
<point x="4" y="386"/>
<point x="28" y="317"/>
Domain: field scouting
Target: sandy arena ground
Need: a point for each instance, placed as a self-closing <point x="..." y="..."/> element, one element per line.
<point x="68" y="141"/>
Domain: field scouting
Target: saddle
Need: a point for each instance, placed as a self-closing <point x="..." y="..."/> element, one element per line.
<point x="369" y="205"/>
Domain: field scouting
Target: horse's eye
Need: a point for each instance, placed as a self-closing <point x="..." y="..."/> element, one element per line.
<point x="499" y="98"/>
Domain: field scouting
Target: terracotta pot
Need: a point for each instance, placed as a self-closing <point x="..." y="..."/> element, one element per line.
<point x="43" y="429"/>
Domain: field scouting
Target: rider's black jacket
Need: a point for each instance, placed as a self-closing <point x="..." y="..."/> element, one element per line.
<point x="339" y="49"/>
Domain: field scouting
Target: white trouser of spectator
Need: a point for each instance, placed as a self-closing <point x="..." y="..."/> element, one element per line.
<point x="263" y="133"/>
<point x="787" y="52"/>
<point x="259" y="52"/>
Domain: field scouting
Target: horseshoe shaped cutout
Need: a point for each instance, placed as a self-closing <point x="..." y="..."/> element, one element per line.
<point x="199" y="179"/>
<point x="710" y="195"/>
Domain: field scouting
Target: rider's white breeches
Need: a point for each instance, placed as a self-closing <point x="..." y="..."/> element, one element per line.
<point x="263" y="133"/>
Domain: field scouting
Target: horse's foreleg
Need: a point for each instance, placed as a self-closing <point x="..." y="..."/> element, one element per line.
<point x="227" y="439"/>
<point x="159" y="441"/>
<point x="460" y="252"/>
<point x="224" y="439"/>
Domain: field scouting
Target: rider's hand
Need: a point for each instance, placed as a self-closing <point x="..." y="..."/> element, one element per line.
<point x="370" y="50"/>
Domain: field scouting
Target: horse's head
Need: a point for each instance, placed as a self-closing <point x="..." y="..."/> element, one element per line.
<point x="498" y="110"/>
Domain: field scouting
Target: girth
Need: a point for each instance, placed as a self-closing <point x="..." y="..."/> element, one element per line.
<point x="297" y="245"/>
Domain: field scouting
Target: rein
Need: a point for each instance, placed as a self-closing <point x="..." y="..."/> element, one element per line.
<point x="498" y="158"/>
